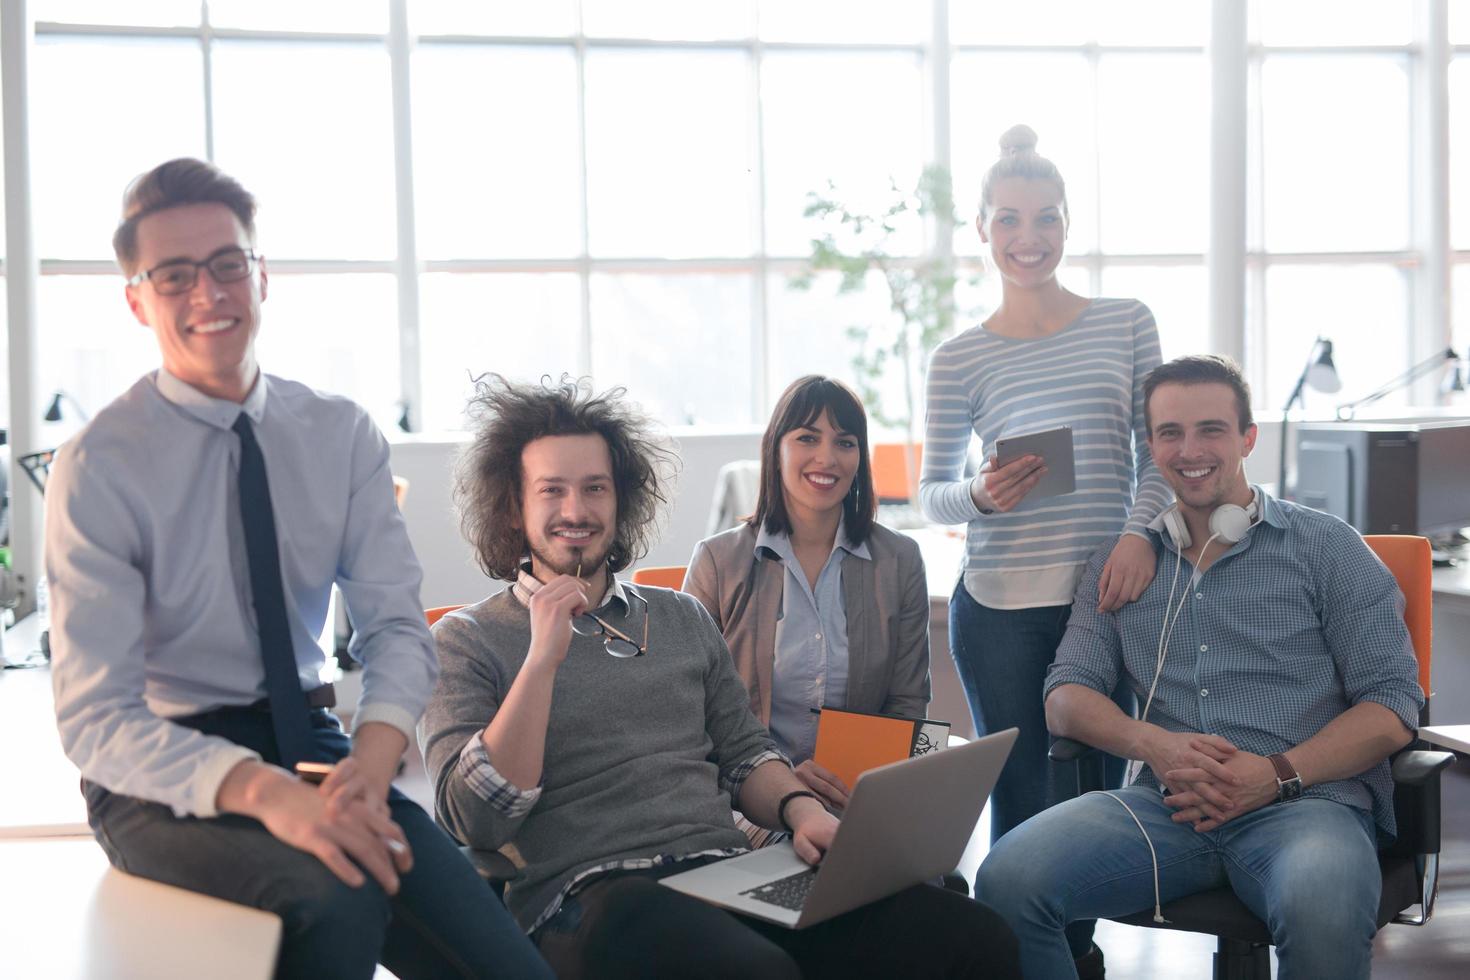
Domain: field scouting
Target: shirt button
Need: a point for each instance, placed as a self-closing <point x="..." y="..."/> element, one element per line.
<point x="1204" y="648"/>
<point x="819" y="636"/>
<point x="1199" y="595"/>
<point x="1204" y="692"/>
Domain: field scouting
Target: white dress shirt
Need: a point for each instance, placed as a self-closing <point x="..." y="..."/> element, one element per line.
<point x="151" y="611"/>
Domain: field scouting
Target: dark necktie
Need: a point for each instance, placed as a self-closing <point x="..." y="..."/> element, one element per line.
<point x="290" y="716"/>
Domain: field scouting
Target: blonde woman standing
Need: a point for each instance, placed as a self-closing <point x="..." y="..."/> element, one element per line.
<point x="1045" y="358"/>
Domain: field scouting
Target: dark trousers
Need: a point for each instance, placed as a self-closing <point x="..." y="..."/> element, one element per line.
<point x="444" y="921"/>
<point x="1002" y="656"/>
<point x="627" y="925"/>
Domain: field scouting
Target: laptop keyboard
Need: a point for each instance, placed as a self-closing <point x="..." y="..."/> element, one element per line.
<point x="788" y="893"/>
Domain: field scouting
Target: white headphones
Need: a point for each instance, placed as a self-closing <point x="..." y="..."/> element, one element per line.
<point x="1228" y="523"/>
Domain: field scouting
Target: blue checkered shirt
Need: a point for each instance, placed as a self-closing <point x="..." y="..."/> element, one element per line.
<point x="1288" y="629"/>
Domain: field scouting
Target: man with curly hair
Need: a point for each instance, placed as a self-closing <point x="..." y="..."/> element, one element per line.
<point x="600" y="727"/>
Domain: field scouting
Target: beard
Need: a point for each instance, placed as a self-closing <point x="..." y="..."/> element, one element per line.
<point x="583" y="559"/>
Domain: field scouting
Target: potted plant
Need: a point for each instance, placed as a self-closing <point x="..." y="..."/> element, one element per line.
<point x="921" y="302"/>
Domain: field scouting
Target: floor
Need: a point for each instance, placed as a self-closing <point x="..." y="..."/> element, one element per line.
<point x="1437" y="951"/>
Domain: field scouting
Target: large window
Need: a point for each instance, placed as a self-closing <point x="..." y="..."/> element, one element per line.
<point x="1459" y="148"/>
<point x="1118" y="99"/>
<point x="1331" y="204"/>
<point x="616" y="187"/>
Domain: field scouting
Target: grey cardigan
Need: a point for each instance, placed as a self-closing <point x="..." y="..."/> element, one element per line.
<point x="886" y="599"/>
<point x="642" y="755"/>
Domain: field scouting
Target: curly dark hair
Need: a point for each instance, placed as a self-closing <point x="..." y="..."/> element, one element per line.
<point x="506" y="416"/>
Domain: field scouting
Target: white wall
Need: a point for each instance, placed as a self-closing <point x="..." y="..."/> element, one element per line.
<point x="450" y="573"/>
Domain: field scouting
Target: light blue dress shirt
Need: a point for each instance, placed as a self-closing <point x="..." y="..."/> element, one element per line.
<point x="1287" y="629"/>
<point x="810" y="669"/>
<point x="151" y="611"/>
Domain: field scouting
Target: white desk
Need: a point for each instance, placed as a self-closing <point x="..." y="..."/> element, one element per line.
<point x="1453" y="737"/>
<point x="943" y="549"/>
<point x="69" y="915"/>
<point x="41" y="796"/>
<point x="1452" y="585"/>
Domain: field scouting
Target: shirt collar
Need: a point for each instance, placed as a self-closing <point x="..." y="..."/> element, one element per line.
<point x="780" y="543"/>
<point x="526" y="585"/>
<point x="218" y="412"/>
<point x="1269" y="509"/>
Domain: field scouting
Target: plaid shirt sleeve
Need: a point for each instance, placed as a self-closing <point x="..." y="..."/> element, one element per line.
<point x="488" y="784"/>
<point x="733" y="777"/>
<point x="1091" y="651"/>
<point x="1363" y="621"/>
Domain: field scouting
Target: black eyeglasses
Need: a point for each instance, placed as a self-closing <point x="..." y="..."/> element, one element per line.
<point x="614" y="641"/>
<point x="180" y="275"/>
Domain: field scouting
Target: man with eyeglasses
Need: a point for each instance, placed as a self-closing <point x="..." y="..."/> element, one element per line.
<point x="598" y="730"/>
<point x="194" y="531"/>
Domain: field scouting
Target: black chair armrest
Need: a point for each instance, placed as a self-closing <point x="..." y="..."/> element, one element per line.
<point x="1416" y="767"/>
<point x="1416" y="801"/>
<point x="1083" y="763"/>
<point x="493" y="866"/>
<point x="1068" y="750"/>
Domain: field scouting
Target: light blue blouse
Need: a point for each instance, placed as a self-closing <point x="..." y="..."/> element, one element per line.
<point x="811" y="644"/>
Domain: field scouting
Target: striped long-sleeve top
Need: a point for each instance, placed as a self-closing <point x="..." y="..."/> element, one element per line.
<point x="1089" y="376"/>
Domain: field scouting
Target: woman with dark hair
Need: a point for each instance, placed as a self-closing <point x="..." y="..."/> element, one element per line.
<point x="820" y="605"/>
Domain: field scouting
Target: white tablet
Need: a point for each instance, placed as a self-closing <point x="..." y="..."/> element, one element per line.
<point x="1054" y="446"/>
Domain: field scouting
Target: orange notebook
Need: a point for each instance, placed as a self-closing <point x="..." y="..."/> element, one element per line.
<point x="849" y="743"/>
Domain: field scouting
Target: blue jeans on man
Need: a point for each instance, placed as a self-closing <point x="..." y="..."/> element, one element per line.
<point x="444" y="921"/>
<point x="1001" y="656"/>
<point x="1307" y="868"/>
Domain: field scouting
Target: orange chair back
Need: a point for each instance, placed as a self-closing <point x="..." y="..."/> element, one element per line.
<point x="890" y="477"/>
<point x="438" y="612"/>
<point x="1407" y="556"/>
<point x="666" y="576"/>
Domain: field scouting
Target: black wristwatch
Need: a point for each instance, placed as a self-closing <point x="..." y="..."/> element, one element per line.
<point x="1288" y="780"/>
<point x="781" y="807"/>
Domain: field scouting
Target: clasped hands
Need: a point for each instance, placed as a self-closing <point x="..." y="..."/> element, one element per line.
<point x="345" y="823"/>
<point x="1210" y="781"/>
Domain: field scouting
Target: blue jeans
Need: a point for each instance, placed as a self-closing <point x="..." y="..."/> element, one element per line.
<point x="443" y="922"/>
<point x="1308" y="869"/>
<point x="1002" y="656"/>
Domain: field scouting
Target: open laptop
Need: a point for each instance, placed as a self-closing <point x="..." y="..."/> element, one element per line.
<point x="905" y="823"/>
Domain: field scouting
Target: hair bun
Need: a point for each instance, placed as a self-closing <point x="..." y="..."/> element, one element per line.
<point x="1018" y="139"/>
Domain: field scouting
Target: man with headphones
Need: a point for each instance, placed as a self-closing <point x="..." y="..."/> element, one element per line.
<point x="1277" y="676"/>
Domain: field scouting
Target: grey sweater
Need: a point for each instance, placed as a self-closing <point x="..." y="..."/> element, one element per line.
<point x="641" y="754"/>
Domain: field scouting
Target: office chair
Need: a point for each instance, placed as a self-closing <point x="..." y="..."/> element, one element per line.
<point x="890" y="471"/>
<point x="438" y="612"/>
<point x="666" y="576"/>
<point x="1410" y="866"/>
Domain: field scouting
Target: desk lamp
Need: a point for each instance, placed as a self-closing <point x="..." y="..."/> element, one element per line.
<point x="1454" y="379"/>
<point x="1444" y="358"/>
<point x="53" y="410"/>
<point x="1321" y="374"/>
